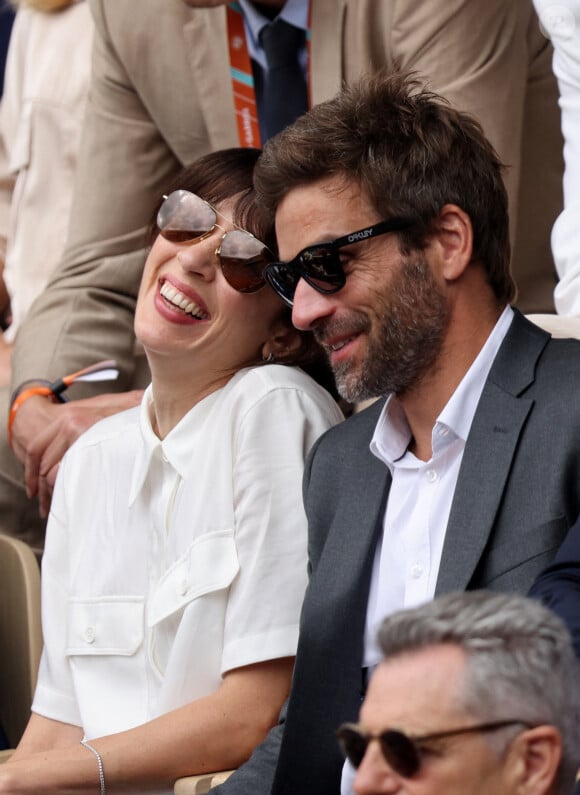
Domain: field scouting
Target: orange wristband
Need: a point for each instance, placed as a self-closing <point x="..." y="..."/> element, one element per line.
<point x="101" y="371"/>
<point x="43" y="391"/>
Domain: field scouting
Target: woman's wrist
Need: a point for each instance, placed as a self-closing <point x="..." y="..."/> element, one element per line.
<point x="94" y="751"/>
<point x="39" y="390"/>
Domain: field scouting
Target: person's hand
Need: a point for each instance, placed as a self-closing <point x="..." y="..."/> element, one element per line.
<point x="43" y="431"/>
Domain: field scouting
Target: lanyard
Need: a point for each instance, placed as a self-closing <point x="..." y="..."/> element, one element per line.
<point x="243" y="78"/>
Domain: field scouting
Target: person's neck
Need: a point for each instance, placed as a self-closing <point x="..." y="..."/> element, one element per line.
<point x="469" y="329"/>
<point x="269" y="10"/>
<point x="174" y="396"/>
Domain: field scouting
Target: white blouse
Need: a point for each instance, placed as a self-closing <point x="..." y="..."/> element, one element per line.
<point x="168" y="563"/>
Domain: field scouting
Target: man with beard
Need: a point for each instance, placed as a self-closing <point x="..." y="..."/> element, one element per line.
<point x="392" y="226"/>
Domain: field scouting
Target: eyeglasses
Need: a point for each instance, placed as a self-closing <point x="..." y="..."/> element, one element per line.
<point x="185" y="217"/>
<point x="320" y="265"/>
<point x="401" y="751"/>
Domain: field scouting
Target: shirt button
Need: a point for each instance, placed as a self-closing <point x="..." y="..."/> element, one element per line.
<point x="90" y="634"/>
<point x="431" y="475"/>
<point x="183" y="586"/>
<point x="416" y="571"/>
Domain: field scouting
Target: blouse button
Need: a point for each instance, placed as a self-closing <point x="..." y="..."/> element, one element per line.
<point x="90" y="634"/>
<point x="183" y="586"/>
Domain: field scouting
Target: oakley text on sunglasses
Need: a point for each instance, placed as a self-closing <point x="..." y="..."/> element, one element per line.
<point x="402" y="751"/>
<point x="185" y="217"/>
<point x="320" y="265"/>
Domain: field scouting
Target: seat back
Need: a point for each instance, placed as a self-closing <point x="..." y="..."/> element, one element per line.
<point x="558" y="325"/>
<point x="198" y="785"/>
<point x="20" y="634"/>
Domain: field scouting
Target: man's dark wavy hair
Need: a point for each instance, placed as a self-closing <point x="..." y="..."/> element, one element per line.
<point x="411" y="152"/>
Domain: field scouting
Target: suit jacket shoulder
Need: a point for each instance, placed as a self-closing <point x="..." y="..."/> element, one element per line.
<point x="518" y="489"/>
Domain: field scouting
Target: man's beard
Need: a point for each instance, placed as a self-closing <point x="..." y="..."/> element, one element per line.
<point x="412" y="316"/>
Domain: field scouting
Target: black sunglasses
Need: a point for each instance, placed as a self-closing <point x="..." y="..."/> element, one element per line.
<point x="186" y="218"/>
<point x="320" y="265"/>
<point x="402" y="752"/>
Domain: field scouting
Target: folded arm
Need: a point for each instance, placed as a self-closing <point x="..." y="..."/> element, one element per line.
<point x="212" y="733"/>
<point x="43" y="432"/>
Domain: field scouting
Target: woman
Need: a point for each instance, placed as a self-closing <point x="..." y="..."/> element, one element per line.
<point x="175" y="560"/>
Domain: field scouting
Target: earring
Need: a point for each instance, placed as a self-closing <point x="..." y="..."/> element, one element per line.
<point x="269" y="358"/>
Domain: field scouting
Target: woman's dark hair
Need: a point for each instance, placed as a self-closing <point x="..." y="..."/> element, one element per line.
<point x="219" y="176"/>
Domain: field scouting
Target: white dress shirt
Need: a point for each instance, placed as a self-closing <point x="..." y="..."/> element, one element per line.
<point x="168" y="563"/>
<point x="294" y="12"/>
<point x="408" y="557"/>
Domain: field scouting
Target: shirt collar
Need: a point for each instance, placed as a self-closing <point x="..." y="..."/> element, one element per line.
<point x="294" y="11"/>
<point x="392" y="432"/>
<point x="458" y="413"/>
<point x="176" y="448"/>
<point x="149" y="443"/>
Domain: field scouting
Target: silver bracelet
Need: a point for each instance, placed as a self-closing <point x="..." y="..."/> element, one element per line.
<point x="87" y="745"/>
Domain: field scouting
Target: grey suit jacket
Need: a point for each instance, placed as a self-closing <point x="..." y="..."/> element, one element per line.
<point x="518" y="492"/>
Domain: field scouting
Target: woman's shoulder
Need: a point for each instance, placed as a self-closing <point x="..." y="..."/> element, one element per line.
<point x="272" y="377"/>
<point x="257" y="384"/>
<point x="108" y="430"/>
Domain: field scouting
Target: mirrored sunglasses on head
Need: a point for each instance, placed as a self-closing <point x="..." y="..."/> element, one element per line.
<point x="320" y="265"/>
<point x="186" y="218"/>
<point x="403" y="752"/>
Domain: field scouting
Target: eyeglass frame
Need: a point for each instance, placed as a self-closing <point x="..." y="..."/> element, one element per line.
<point x="395" y="224"/>
<point x="414" y="741"/>
<point x="204" y="235"/>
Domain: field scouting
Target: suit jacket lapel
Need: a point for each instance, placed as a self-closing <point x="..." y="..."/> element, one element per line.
<point x="489" y="453"/>
<point x="486" y="465"/>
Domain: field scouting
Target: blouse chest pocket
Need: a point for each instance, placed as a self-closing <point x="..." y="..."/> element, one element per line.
<point x="209" y="565"/>
<point x="105" y="625"/>
<point x="105" y="649"/>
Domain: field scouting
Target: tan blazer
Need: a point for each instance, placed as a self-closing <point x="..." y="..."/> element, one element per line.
<point x="41" y="115"/>
<point x="161" y="96"/>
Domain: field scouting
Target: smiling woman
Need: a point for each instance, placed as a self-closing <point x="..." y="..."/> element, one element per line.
<point x="175" y="560"/>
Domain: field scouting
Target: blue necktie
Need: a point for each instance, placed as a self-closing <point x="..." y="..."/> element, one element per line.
<point x="283" y="95"/>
